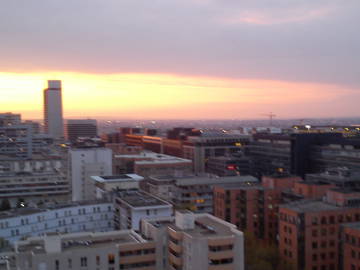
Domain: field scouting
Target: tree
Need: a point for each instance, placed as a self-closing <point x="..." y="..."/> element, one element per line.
<point x="5" y="205"/>
<point x="259" y="256"/>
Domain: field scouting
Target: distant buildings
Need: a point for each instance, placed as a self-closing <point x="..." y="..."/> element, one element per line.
<point x="80" y="128"/>
<point x="53" y="112"/>
<point x="84" y="163"/>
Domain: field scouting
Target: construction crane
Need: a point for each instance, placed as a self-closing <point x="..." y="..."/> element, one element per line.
<point x="271" y="117"/>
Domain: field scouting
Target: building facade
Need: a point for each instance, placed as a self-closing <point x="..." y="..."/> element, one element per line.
<point x="84" y="163"/>
<point x="21" y="223"/>
<point x="53" y="111"/>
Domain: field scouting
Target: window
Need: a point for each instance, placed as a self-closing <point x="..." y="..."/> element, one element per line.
<point x="97" y="260"/>
<point x="314" y="257"/>
<point x="57" y="265"/>
<point x="111" y="258"/>
<point x="83" y="261"/>
<point x="314" y="233"/>
<point x="314" y="245"/>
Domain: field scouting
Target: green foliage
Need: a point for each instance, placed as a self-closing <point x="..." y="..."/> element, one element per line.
<point x="262" y="257"/>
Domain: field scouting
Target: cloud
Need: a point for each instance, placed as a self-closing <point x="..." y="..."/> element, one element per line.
<point x="300" y="41"/>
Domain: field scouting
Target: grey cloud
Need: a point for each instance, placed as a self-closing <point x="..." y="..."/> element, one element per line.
<point x="313" y="41"/>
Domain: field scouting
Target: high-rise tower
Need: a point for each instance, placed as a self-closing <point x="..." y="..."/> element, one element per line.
<point x="53" y="115"/>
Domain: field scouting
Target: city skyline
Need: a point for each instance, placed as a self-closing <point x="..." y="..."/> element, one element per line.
<point x="183" y="60"/>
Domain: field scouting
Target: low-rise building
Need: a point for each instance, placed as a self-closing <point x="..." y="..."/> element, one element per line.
<point x="34" y="187"/>
<point x="20" y="223"/>
<point x="107" y="186"/>
<point x="92" y="251"/>
<point x="132" y="206"/>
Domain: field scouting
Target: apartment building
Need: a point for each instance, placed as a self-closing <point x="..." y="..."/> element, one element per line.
<point x="350" y="246"/>
<point x="309" y="230"/>
<point x="195" y="241"/>
<point x="84" y="163"/>
<point x="108" y="186"/>
<point x="132" y="206"/>
<point x="20" y="223"/>
<point x="92" y="251"/>
<point x="194" y="193"/>
<point x="34" y="187"/>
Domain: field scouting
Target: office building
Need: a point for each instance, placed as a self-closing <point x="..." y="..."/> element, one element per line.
<point x="132" y="206"/>
<point x="148" y="163"/>
<point x="229" y="165"/>
<point x="20" y="223"/>
<point x="53" y="111"/>
<point x="195" y="241"/>
<point x="86" y="128"/>
<point x="84" y="163"/>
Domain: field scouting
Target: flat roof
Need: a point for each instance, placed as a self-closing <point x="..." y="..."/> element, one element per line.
<point x="154" y="158"/>
<point x="207" y="226"/>
<point x="118" y="178"/>
<point x="25" y="211"/>
<point x="141" y="199"/>
<point x="200" y="180"/>
<point x="305" y="206"/>
<point x="75" y="241"/>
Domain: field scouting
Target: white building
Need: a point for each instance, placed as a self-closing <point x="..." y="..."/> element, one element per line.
<point x="105" y="186"/>
<point x="84" y="163"/>
<point x="53" y="112"/>
<point x="86" y="251"/>
<point x="132" y="206"/>
<point x="20" y="223"/>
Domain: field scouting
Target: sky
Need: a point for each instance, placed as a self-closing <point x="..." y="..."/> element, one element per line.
<point x="182" y="59"/>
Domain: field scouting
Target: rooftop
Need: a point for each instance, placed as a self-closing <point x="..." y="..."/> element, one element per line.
<point x="25" y="211"/>
<point x="74" y="241"/>
<point x="141" y="199"/>
<point x="305" y="206"/>
<point x="207" y="226"/>
<point x="212" y="180"/>
<point x="118" y="178"/>
<point x="149" y="157"/>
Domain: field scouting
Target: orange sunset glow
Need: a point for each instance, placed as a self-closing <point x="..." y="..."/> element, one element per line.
<point x="160" y="96"/>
